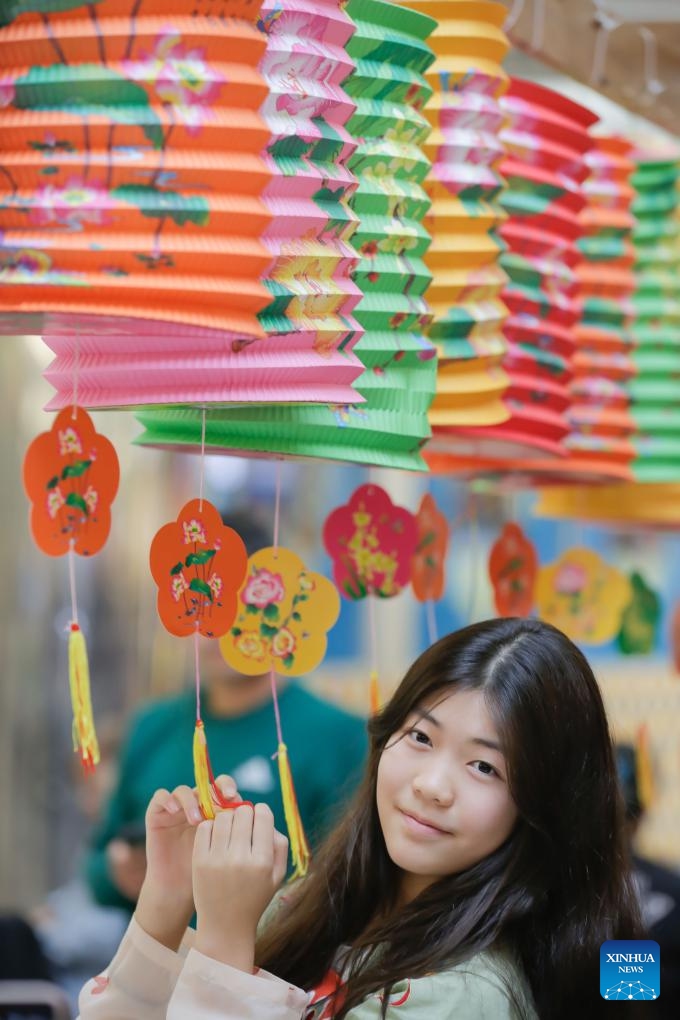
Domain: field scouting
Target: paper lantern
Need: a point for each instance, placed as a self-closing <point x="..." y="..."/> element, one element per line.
<point x="546" y="140"/>
<point x="464" y="184"/>
<point x="429" y="559"/>
<point x="134" y="203"/>
<point x="640" y="620"/>
<point x="71" y="476"/>
<point x="198" y="565"/>
<point x="599" y="446"/>
<point x="513" y="568"/>
<point x="641" y="505"/>
<point x="653" y="391"/>
<point x="371" y="542"/>
<point x="284" y="614"/>
<point x="583" y="596"/>
<point x="391" y="54"/>
<point x="306" y="111"/>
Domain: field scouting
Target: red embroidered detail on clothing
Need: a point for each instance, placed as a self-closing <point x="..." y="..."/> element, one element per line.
<point x="102" y="984"/>
<point x="325" y="1000"/>
<point x="405" y="996"/>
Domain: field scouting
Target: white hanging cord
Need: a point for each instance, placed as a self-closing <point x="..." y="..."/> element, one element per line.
<point x="202" y="474"/>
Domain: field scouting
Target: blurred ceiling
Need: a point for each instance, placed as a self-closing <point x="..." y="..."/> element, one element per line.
<point x="637" y="58"/>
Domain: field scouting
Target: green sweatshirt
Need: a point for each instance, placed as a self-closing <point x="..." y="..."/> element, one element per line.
<point x="326" y="746"/>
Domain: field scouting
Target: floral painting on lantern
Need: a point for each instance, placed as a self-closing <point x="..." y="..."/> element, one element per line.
<point x="513" y="567"/>
<point x="371" y="542"/>
<point x="198" y="564"/>
<point x="71" y="476"/>
<point x="284" y="614"/>
<point x="159" y="87"/>
<point x="583" y="596"/>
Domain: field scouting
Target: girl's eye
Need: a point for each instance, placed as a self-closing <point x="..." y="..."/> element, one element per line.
<point x="485" y="768"/>
<point x="419" y="736"/>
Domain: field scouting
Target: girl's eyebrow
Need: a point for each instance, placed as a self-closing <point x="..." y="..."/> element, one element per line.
<point x="481" y="741"/>
<point x="424" y="714"/>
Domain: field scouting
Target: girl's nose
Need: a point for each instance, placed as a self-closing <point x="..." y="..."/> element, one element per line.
<point x="435" y="784"/>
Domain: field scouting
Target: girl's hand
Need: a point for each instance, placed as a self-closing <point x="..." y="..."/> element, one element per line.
<point x="166" y="902"/>
<point x="239" y="862"/>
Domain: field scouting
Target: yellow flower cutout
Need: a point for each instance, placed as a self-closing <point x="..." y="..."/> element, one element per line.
<point x="285" y="612"/>
<point x="583" y="596"/>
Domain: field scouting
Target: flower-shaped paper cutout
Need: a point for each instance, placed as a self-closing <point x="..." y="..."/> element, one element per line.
<point x="71" y="476"/>
<point x="640" y="621"/>
<point x="371" y="542"/>
<point x="513" y="568"/>
<point x="583" y="596"/>
<point x="285" y="612"/>
<point x="427" y="565"/>
<point x="198" y="564"/>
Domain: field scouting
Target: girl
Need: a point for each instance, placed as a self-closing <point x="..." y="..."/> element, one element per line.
<point x="479" y="871"/>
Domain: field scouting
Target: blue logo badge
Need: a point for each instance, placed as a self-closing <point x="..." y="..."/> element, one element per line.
<point x="630" y="969"/>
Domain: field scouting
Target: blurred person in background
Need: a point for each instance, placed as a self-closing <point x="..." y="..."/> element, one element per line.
<point x="327" y="747"/>
<point x="69" y="936"/>
<point x="659" y="892"/>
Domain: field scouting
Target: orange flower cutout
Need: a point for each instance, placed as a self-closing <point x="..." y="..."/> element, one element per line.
<point x="199" y="565"/>
<point x="427" y="565"/>
<point x="513" y="568"/>
<point x="71" y="476"/>
<point x="285" y="612"/>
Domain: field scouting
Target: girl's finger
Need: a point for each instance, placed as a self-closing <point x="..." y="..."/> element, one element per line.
<point x="280" y="857"/>
<point x="222" y="825"/>
<point x="241" y="836"/>
<point x="189" y="802"/>
<point x="161" y="801"/>
<point x="263" y="834"/>
<point x="227" y="787"/>
<point x="202" y="842"/>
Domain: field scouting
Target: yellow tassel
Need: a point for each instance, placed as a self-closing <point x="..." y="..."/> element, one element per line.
<point x="374" y="692"/>
<point x="84" y="736"/>
<point x="299" y="848"/>
<point x="644" y="774"/>
<point x="202" y="773"/>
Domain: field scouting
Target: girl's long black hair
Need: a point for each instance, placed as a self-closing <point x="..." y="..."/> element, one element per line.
<point x="557" y="888"/>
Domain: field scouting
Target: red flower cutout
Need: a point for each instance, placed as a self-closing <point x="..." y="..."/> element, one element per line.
<point x="371" y="542"/>
<point x="199" y="566"/>
<point x="427" y="566"/>
<point x="513" y="568"/>
<point x="71" y="477"/>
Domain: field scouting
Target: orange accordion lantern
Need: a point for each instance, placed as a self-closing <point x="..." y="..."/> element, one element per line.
<point x="141" y="215"/>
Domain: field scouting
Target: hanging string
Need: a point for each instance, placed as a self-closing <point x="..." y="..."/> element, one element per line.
<point x="72" y="581"/>
<point x="474" y="536"/>
<point x="277" y="508"/>
<point x="76" y="373"/>
<point x="202" y="465"/>
<point x="299" y="847"/>
<point x="277" y="712"/>
<point x="197" y="674"/>
<point x="374" y="686"/>
<point x="272" y="673"/>
<point x="431" y="621"/>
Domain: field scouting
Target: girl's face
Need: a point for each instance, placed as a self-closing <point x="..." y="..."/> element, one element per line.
<point x="442" y="792"/>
